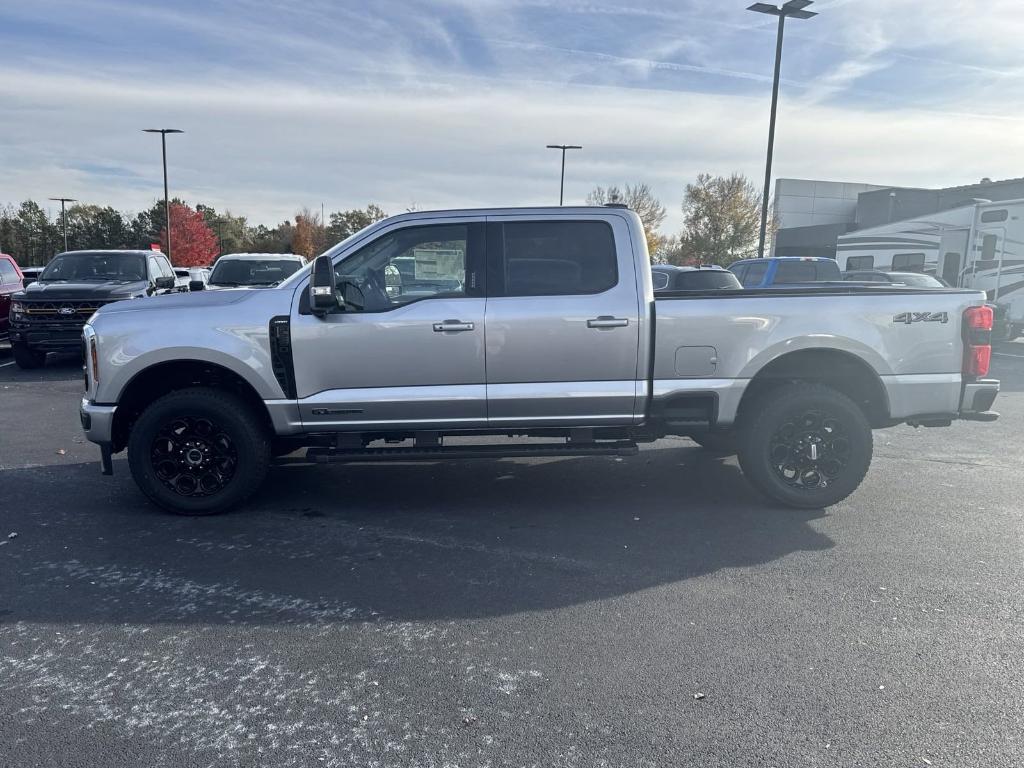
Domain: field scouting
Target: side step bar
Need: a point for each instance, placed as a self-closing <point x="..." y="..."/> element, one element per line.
<point x="331" y="455"/>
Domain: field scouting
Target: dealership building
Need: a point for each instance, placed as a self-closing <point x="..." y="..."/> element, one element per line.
<point x="811" y="215"/>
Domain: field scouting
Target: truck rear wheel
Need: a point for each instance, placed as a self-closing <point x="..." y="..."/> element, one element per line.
<point x="27" y="358"/>
<point x="198" y="451"/>
<point x="805" y="445"/>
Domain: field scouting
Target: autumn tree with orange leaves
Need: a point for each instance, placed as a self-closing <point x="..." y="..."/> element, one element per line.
<point x="193" y="243"/>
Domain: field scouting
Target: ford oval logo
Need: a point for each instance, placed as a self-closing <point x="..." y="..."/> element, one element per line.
<point x="66" y="310"/>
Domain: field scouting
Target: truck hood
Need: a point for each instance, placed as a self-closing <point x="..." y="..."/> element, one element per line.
<point x="72" y="291"/>
<point x="183" y="301"/>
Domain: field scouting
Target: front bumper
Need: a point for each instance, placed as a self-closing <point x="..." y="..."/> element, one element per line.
<point x="51" y="337"/>
<point x="977" y="399"/>
<point x="97" y="421"/>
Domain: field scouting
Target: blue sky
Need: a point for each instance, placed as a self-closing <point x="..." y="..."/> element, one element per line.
<point x="450" y="102"/>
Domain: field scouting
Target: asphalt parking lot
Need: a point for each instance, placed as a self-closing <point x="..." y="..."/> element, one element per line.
<point x="649" y="611"/>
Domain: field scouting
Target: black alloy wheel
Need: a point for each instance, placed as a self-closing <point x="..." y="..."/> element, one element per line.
<point x="811" y="450"/>
<point x="199" y="451"/>
<point x="193" y="456"/>
<point x="805" y="445"/>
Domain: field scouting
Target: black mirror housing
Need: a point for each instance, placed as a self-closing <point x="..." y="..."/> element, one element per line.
<point x="196" y="285"/>
<point x="323" y="287"/>
<point x="164" y="283"/>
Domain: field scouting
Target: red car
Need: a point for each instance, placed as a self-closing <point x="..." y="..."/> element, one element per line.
<point x="10" y="284"/>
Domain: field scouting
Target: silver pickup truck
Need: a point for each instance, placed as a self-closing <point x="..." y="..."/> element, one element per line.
<point x="533" y="323"/>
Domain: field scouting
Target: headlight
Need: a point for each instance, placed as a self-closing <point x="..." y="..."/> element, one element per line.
<point x="17" y="310"/>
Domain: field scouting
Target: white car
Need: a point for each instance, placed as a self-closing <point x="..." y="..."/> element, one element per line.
<point x="253" y="270"/>
<point x="184" y="276"/>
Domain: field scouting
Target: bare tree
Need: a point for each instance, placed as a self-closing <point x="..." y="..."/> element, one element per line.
<point x="638" y="198"/>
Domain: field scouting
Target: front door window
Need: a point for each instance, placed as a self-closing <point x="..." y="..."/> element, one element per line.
<point x="409" y="265"/>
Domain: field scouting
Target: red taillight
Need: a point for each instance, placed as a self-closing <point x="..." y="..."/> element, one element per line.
<point x="977" y="341"/>
<point x="977" y="360"/>
<point x="979" y="318"/>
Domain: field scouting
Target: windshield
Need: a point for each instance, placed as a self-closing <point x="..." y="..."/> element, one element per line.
<point x="252" y="272"/>
<point x="98" y="267"/>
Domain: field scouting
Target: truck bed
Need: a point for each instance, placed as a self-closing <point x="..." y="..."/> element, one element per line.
<point x="716" y="342"/>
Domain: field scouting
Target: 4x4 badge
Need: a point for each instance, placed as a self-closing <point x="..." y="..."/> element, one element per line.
<point x="921" y="317"/>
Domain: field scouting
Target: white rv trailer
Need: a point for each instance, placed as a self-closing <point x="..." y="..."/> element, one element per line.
<point x="975" y="246"/>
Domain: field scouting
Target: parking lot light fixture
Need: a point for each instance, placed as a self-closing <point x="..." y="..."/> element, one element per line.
<point x="561" y="186"/>
<point x="795" y="9"/>
<point x="167" y="203"/>
<point x="63" y="216"/>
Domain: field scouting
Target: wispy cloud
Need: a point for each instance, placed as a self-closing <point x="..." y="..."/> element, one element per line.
<point x="449" y="102"/>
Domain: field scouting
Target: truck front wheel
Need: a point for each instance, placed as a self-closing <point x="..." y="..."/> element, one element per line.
<point x="28" y="358"/>
<point x="805" y="445"/>
<point x="198" y="451"/>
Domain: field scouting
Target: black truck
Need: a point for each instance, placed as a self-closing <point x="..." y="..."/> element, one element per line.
<point x="49" y="314"/>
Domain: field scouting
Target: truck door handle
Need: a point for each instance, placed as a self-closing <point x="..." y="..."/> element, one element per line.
<point x="606" y="321"/>
<point x="452" y="326"/>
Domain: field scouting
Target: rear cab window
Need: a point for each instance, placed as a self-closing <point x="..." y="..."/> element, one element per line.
<point x="795" y="272"/>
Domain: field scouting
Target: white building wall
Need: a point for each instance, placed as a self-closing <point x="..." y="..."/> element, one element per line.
<point x="806" y="203"/>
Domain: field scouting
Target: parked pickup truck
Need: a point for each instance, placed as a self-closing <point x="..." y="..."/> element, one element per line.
<point x="49" y="314"/>
<point x="520" y="322"/>
<point x="785" y="271"/>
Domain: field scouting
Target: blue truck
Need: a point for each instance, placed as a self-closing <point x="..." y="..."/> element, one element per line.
<point x="785" y="270"/>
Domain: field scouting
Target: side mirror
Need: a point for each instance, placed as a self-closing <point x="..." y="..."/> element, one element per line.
<point x="196" y="285"/>
<point x="164" y="283"/>
<point x="323" y="287"/>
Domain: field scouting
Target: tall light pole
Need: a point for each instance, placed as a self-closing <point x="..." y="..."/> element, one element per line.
<point x="64" y="216"/>
<point x="793" y="9"/>
<point x="167" y="203"/>
<point x="561" y="186"/>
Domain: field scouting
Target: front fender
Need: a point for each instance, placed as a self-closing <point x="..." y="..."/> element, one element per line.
<point x="125" y="352"/>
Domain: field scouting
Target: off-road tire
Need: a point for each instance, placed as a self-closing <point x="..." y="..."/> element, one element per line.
<point x="773" y="413"/>
<point x="234" y="424"/>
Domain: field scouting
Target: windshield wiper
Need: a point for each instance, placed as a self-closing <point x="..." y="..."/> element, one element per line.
<point x="222" y="282"/>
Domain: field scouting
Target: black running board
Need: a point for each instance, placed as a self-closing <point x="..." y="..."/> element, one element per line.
<point x="411" y="453"/>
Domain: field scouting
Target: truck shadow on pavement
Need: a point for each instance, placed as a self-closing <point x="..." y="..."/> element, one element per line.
<point x="413" y="542"/>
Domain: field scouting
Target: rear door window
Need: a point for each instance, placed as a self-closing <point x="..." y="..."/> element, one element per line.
<point x="754" y="275"/>
<point x="860" y="262"/>
<point x="556" y="258"/>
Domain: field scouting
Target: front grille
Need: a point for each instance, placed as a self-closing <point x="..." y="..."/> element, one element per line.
<point x="61" y="310"/>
